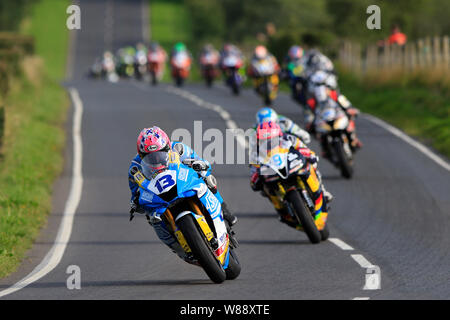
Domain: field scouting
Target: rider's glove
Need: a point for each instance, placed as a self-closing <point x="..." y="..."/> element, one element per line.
<point x="255" y="182"/>
<point x="305" y="137"/>
<point x="200" y="165"/>
<point x="135" y="207"/>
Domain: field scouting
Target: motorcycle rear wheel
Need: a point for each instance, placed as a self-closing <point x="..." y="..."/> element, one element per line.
<point x="304" y="216"/>
<point x="201" y="249"/>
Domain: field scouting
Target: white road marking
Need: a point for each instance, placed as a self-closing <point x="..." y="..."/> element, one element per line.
<point x="396" y="132"/>
<point x="54" y="256"/>
<point x="341" y="244"/>
<point x="361" y="298"/>
<point x="225" y="115"/>
<point x="363" y="262"/>
<point x="373" y="274"/>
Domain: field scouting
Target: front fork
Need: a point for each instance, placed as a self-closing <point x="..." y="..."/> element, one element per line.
<point x="310" y="188"/>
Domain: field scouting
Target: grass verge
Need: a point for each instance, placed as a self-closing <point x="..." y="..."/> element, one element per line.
<point x="34" y="134"/>
<point x="422" y="111"/>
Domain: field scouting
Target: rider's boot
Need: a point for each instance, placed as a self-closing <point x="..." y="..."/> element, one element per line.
<point x="328" y="196"/>
<point x="231" y="218"/>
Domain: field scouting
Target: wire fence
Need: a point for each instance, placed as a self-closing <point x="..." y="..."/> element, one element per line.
<point x="425" y="54"/>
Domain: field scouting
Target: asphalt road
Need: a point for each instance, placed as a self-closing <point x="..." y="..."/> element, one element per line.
<point x="395" y="212"/>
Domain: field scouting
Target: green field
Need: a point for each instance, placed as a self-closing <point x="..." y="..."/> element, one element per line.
<point x="34" y="134"/>
<point x="421" y="111"/>
<point x="170" y="23"/>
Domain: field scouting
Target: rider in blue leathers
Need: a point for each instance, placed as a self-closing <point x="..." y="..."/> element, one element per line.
<point x="187" y="156"/>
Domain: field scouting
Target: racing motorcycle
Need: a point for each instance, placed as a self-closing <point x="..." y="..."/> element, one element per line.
<point x="208" y="64"/>
<point x="155" y="66"/>
<point x="332" y="126"/>
<point x="140" y="64"/>
<point x="126" y="66"/>
<point x="181" y="66"/>
<point x="297" y="81"/>
<point x="231" y="66"/>
<point x="265" y="80"/>
<point x="292" y="180"/>
<point x="180" y="197"/>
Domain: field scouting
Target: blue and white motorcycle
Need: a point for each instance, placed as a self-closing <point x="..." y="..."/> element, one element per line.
<point x="192" y="213"/>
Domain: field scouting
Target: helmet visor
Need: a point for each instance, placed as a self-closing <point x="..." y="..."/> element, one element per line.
<point x="155" y="161"/>
<point x="265" y="146"/>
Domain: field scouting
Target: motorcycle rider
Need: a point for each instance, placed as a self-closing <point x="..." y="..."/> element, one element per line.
<point x="293" y="70"/>
<point x="209" y="58"/>
<point x="126" y="61"/>
<point x="290" y="128"/>
<point x="262" y="65"/>
<point x="140" y="59"/>
<point x="154" y="141"/>
<point x="323" y="90"/>
<point x="270" y="134"/>
<point x="261" y="53"/>
<point x="157" y="56"/>
<point x="209" y="50"/>
<point x="321" y="84"/>
<point x="180" y="50"/>
<point x="230" y="50"/>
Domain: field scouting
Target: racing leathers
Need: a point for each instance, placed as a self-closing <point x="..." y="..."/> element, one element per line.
<point x="189" y="157"/>
<point x="256" y="180"/>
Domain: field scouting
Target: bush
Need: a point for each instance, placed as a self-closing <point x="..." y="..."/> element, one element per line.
<point x="4" y="79"/>
<point x="2" y="125"/>
<point x="13" y="40"/>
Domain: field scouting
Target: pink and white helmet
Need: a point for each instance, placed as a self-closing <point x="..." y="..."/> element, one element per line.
<point x="152" y="140"/>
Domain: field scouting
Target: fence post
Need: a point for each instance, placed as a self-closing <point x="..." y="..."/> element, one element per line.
<point x="2" y="125"/>
<point x="446" y="52"/>
<point x="428" y="55"/>
<point x="437" y="51"/>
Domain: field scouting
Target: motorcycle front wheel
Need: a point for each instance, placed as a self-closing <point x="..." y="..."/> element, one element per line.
<point x="304" y="216"/>
<point x="201" y="249"/>
<point x="234" y="267"/>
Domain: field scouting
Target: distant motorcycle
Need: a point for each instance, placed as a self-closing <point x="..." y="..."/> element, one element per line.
<point x="208" y="64"/>
<point x="156" y="66"/>
<point x="140" y="64"/>
<point x="181" y="66"/>
<point x="331" y="124"/>
<point x="109" y="70"/>
<point x="126" y="66"/>
<point x="231" y="65"/>
<point x="265" y="81"/>
<point x="292" y="179"/>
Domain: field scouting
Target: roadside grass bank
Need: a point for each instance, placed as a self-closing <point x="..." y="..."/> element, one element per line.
<point x="416" y="106"/>
<point x="35" y="113"/>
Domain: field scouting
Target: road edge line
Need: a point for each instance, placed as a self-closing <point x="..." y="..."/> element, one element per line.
<point x="54" y="256"/>
<point x="398" y="133"/>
